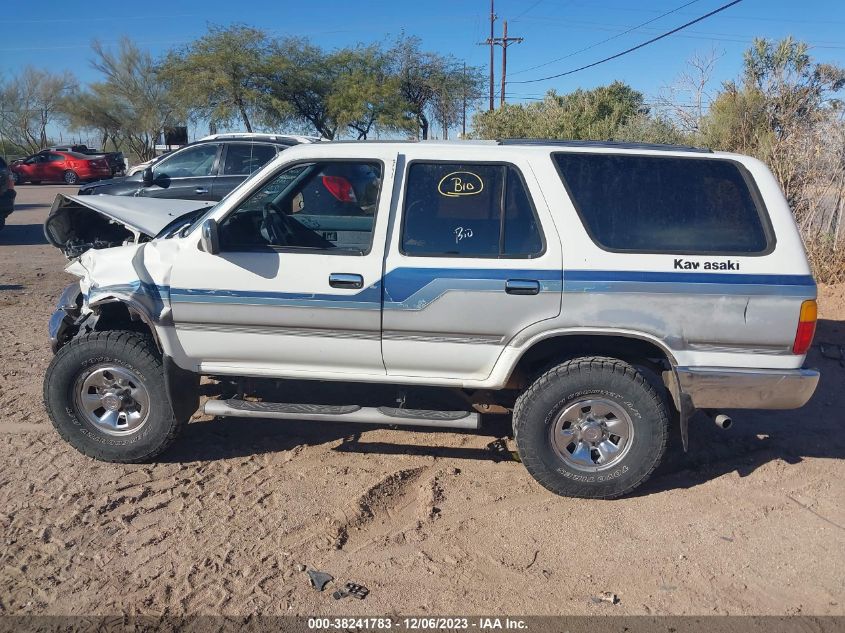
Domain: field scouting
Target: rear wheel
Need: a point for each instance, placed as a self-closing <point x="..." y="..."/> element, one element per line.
<point x="591" y="427"/>
<point x="71" y="177"/>
<point x="106" y="396"/>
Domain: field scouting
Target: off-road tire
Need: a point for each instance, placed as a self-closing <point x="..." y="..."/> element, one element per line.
<point x="538" y="408"/>
<point x="130" y="350"/>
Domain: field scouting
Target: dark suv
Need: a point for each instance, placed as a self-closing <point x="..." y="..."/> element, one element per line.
<point x="207" y="169"/>
<point x="7" y="192"/>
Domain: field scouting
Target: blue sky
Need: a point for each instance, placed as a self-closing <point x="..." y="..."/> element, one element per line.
<point x="58" y="34"/>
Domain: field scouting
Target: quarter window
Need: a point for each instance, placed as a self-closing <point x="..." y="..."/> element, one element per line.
<point x="327" y="206"/>
<point x="665" y="204"/>
<point x="468" y="210"/>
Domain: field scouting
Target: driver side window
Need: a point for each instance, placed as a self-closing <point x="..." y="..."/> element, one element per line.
<point x="324" y="206"/>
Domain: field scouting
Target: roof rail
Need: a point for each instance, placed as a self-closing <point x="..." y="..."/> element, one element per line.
<point x="666" y="147"/>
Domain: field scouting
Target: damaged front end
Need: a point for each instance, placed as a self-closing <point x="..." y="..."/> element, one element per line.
<point x="66" y="319"/>
<point x="79" y="223"/>
<point x="111" y="242"/>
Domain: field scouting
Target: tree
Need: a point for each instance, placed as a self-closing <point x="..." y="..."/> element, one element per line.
<point x="29" y="103"/>
<point x="365" y="96"/>
<point x="214" y="77"/>
<point x="779" y="101"/>
<point x="684" y="100"/>
<point x="433" y="86"/>
<point x="350" y="90"/>
<point x="785" y="110"/>
<point x="582" y="114"/>
<point x="133" y="104"/>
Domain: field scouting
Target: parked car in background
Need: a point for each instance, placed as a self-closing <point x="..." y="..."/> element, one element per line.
<point x="207" y="169"/>
<point x="7" y="192"/>
<point x="116" y="160"/>
<point x="137" y="169"/>
<point x="53" y="166"/>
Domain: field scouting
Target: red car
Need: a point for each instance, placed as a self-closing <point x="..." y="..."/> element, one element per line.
<point x="67" y="167"/>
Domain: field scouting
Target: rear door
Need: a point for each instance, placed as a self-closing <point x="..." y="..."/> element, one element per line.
<point x="237" y="162"/>
<point x="474" y="260"/>
<point x="186" y="174"/>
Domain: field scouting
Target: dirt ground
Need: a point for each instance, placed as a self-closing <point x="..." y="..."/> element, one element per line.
<point x="751" y="521"/>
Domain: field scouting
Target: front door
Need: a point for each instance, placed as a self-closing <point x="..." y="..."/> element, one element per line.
<point x="187" y="175"/>
<point x="475" y="261"/>
<point x="296" y="288"/>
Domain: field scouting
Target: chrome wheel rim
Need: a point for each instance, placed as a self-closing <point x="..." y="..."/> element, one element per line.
<point x="592" y="434"/>
<point x="113" y="399"/>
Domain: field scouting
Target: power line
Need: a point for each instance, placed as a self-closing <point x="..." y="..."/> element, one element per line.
<point x="528" y="10"/>
<point x="633" y="48"/>
<point x="586" y="48"/>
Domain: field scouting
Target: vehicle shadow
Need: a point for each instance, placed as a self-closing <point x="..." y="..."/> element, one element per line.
<point x="756" y="438"/>
<point x="22" y="235"/>
<point x="225" y="438"/>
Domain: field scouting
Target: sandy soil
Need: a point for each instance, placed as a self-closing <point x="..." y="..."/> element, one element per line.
<point x="752" y="521"/>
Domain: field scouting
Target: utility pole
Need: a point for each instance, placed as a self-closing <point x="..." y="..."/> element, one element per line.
<point x="464" y="117"/>
<point x="504" y="42"/>
<point x="491" y="42"/>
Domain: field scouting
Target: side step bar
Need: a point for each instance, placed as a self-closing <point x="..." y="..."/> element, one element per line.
<point x="350" y="413"/>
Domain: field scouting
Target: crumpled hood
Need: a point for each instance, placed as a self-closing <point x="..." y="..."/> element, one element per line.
<point x="77" y="223"/>
<point x="138" y="214"/>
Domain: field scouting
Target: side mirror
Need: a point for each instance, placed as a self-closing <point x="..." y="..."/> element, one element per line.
<point x="147" y="177"/>
<point x="210" y="240"/>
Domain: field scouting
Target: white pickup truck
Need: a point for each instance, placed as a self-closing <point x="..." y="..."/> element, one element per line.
<point x="596" y="290"/>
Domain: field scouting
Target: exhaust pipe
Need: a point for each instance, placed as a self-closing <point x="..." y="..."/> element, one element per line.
<point x="721" y="420"/>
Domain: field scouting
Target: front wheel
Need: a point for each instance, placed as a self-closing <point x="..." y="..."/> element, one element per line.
<point x="71" y="177"/>
<point x="16" y="178"/>
<point x="106" y="396"/>
<point x="591" y="427"/>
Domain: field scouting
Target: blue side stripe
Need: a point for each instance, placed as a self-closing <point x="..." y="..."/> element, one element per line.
<point x="687" y="277"/>
<point x="416" y="288"/>
<point x="400" y="284"/>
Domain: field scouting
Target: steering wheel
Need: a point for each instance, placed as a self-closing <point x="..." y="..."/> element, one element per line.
<point x="276" y="224"/>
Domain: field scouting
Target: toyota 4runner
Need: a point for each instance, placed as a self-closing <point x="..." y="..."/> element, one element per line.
<point x="596" y="290"/>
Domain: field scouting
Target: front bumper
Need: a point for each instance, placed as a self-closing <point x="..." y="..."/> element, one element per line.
<point x="63" y="320"/>
<point x="747" y="388"/>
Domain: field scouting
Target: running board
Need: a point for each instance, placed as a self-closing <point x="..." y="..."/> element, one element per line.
<point x="349" y="413"/>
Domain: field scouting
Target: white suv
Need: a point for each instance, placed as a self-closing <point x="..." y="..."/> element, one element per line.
<point x="597" y="290"/>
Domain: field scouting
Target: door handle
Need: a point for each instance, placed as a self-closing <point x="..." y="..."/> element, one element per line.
<point x="201" y="190"/>
<point x="346" y="280"/>
<point x="522" y="287"/>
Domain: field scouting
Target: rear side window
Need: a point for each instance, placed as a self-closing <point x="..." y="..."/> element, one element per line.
<point x="469" y="210"/>
<point x="243" y="159"/>
<point x="657" y="204"/>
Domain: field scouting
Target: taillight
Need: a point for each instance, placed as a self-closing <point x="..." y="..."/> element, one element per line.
<point x="806" y="327"/>
<point x="340" y="188"/>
